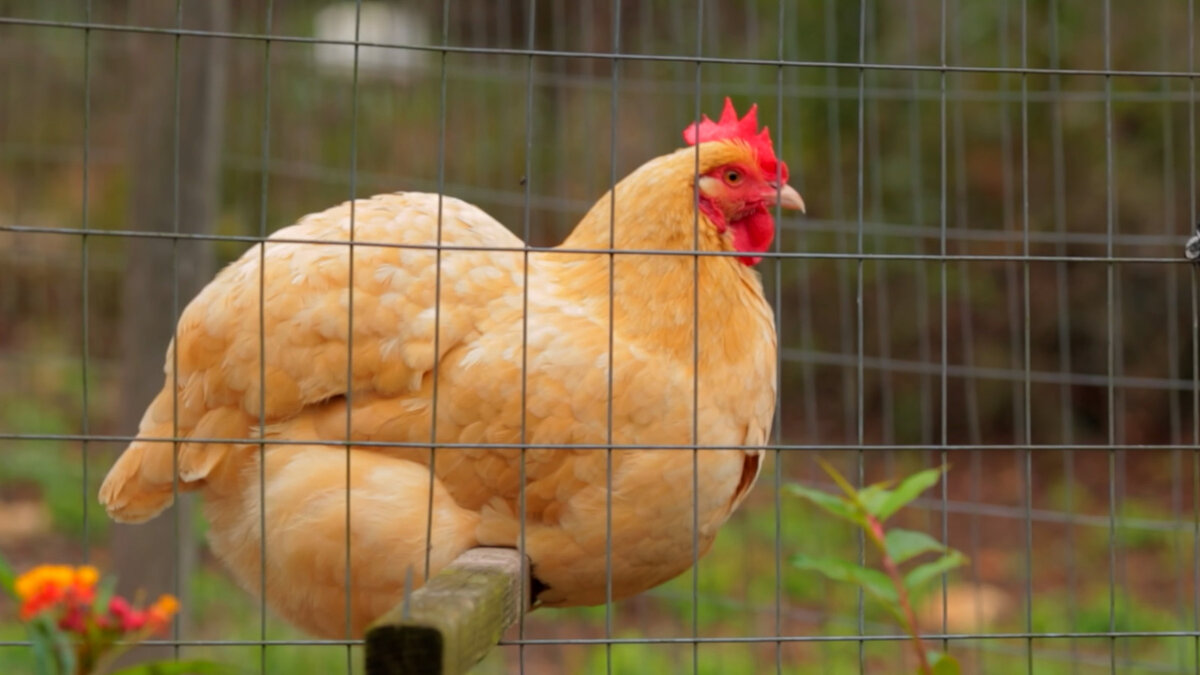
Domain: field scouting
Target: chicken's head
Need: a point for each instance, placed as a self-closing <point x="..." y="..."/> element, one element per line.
<point x="740" y="179"/>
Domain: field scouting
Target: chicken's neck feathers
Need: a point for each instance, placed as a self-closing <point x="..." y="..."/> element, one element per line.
<point x="655" y="294"/>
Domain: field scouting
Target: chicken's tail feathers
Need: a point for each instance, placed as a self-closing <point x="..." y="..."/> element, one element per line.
<point x="159" y="463"/>
<point x="141" y="484"/>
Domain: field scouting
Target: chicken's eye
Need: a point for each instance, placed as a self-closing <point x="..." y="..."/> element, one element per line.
<point x="732" y="177"/>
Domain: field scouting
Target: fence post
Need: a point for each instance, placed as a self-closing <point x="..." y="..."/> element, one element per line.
<point x="450" y="624"/>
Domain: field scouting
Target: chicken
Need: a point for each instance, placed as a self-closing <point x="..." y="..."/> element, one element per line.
<point x="326" y="389"/>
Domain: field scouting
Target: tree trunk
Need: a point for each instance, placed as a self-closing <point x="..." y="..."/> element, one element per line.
<point x="174" y="152"/>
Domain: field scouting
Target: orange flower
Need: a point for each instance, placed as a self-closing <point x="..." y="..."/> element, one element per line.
<point x="159" y="614"/>
<point x="43" y="598"/>
<point x="46" y="586"/>
<point x="68" y="593"/>
<point x="87" y="576"/>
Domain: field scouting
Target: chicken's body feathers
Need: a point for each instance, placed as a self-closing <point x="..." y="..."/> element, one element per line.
<point x="476" y="324"/>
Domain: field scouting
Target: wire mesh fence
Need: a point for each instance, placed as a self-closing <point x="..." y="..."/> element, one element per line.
<point x="990" y="275"/>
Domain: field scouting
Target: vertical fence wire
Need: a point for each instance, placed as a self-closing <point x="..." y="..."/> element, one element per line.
<point x="437" y="286"/>
<point x="1175" y="400"/>
<point x="777" y="415"/>
<point x="348" y="574"/>
<point x="614" y="110"/>
<point x="1194" y="217"/>
<point x="695" y="426"/>
<point x="176" y="514"/>
<point x="943" y="198"/>
<point x="84" y="269"/>
<point x="882" y="311"/>
<point x="1066" y="410"/>
<point x="526" y="226"/>
<point x="264" y="183"/>
<point x="1027" y="391"/>
<point x="1110" y="318"/>
<point x="859" y="394"/>
<point x="966" y="312"/>
<point x="838" y="211"/>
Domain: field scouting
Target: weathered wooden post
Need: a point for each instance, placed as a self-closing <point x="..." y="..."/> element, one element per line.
<point x="450" y="624"/>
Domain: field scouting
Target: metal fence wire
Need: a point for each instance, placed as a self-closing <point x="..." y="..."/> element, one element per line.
<point x="990" y="275"/>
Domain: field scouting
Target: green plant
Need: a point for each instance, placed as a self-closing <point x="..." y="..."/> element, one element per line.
<point x="869" y="508"/>
<point x="78" y="626"/>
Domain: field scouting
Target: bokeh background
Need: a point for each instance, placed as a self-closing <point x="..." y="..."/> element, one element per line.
<point x="991" y="276"/>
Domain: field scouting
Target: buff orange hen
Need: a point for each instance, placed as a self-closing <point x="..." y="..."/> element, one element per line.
<point x="306" y="379"/>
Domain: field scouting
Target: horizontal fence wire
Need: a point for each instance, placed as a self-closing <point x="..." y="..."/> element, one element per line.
<point x="813" y="255"/>
<point x="603" y="56"/>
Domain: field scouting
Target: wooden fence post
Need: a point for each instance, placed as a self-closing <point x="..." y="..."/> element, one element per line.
<point x="450" y="624"/>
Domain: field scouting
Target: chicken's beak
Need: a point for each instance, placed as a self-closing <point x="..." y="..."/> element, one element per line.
<point x="787" y="197"/>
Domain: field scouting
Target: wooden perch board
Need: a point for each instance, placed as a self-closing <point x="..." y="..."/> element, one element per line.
<point x="450" y="624"/>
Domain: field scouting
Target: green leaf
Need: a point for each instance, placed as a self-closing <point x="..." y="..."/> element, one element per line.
<point x="874" y="582"/>
<point x="873" y="497"/>
<point x="8" y="578"/>
<point x="902" y="545"/>
<point x="178" y="668"/>
<point x="42" y="651"/>
<point x="924" y="573"/>
<point x="838" y="478"/>
<point x="52" y="650"/>
<point x="943" y="664"/>
<point x="909" y="489"/>
<point x="832" y="504"/>
<point x="65" y="649"/>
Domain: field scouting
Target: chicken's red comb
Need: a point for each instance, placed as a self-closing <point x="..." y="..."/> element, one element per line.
<point x="744" y="129"/>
